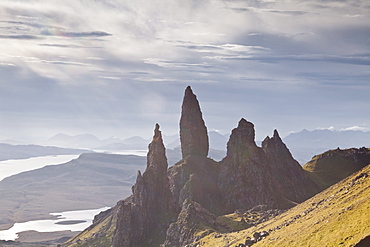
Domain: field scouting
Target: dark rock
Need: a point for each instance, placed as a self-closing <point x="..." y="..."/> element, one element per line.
<point x="365" y="242"/>
<point x="290" y="179"/>
<point x="147" y="211"/>
<point x="195" y="178"/>
<point x="362" y="175"/>
<point x="191" y="217"/>
<point x="256" y="236"/>
<point x="249" y="242"/>
<point x="248" y="176"/>
<point x="193" y="132"/>
<point x="264" y="234"/>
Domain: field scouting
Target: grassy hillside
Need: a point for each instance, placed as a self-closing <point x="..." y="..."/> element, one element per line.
<point x="332" y="166"/>
<point x="338" y="216"/>
<point x="99" y="235"/>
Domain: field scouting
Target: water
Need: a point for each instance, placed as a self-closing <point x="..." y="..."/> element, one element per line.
<point x="12" y="167"/>
<point x="125" y="152"/>
<point x="83" y="220"/>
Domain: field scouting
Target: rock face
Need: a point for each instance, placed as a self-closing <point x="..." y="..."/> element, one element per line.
<point x="289" y="177"/>
<point x="245" y="178"/>
<point x="193" y="132"/>
<point x="151" y="205"/>
<point x="191" y="217"/>
<point x="195" y="178"/>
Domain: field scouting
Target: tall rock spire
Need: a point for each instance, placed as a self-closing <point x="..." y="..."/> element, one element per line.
<point x="152" y="188"/>
<point x="193" y="132"/>
<point x="148" y="210"/>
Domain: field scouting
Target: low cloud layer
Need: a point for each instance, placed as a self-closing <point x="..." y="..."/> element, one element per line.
<point x="116" y="67"/>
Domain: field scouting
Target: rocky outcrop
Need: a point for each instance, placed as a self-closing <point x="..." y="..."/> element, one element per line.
<point x="245" y="178"/>
<point x="195" y="178"/>
<point x="148" y="211"/>
<point x="192" y="218"/>
<point x="250" y="175"/>
<point x="193" y="132"/>
<point x="288" y="176"/>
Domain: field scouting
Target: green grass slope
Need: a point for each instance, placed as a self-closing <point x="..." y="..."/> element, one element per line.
<point x="338" y="216"/>
<point x="97" y="235"/>
<point x="332" y="166"/>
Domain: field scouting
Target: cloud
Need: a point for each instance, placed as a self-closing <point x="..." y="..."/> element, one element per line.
<point x="356" y="128"/>
<point x="329" y="128"/>
<point x="20" y="37"/>
<point x="76" y="34"/>
<point x="280" y="64"/>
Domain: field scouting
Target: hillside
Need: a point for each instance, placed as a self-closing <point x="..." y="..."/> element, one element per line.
<point x="94" y="180"/>
<point x="305" y="144"/>
<point x="332" y="166"/>
<point x="338" y="216"/>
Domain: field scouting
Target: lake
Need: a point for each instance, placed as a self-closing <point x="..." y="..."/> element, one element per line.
<point x="70" y="220"/>
<point x="12" y="167"/>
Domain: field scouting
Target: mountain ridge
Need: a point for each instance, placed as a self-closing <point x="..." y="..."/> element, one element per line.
<point x="25" y="151"/>
<point x="305" y="144"/>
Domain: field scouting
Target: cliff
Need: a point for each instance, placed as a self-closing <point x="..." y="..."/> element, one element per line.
<point x="251" y="175"/>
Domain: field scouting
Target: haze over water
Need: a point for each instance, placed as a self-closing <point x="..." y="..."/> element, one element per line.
<point x="12" y="167"/>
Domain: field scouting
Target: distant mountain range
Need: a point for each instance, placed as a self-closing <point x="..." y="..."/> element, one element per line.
<point x="217" y="141"/>
<point x="79" y="141"/>
<point x="305" y="144"/>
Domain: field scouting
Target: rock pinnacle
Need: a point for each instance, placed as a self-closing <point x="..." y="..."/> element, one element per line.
<point x="193" y="132"/>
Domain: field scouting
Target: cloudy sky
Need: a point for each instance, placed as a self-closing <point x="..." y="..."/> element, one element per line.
<point x="116" y="67"/>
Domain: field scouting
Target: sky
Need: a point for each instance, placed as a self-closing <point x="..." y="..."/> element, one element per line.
<point x="117" y="67"/>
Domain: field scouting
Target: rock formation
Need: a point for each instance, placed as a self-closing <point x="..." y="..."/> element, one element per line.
<point x="147" y="212"/>
<point x="194" y="177"/>
<point x="191" y="218"/>
<point x="290" y="179"/>
<point x="245" y="179"/>
<point x="203" y="189"/>
<point x="193" y="132"/>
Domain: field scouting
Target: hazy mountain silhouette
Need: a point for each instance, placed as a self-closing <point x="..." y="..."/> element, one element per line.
<point x="305" y="144"/>
<point x="8" y="151"/>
